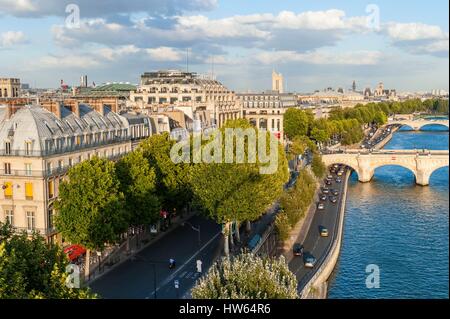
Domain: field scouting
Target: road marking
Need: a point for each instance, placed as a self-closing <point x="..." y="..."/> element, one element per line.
<point x="172" y="277"/>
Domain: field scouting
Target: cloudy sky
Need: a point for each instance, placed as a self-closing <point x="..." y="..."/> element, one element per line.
<point x="314" y="44"/>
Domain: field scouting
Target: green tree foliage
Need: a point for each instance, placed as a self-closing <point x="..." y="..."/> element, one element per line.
<point x="247" y="276"/>
<point x="30" y="268"/>
<point x="318" y="167"/>
<point x="283" y="226"/>
<point x="294" y="202"/>
<point x="238" y="191"/>
<point x="172" y="180"/>
<point x="138" y="183"/>
<point x="299" y="145"/>
<point x="380" y="118"/>
<point x="90" y="205"/>
<point x="296" y="122"/>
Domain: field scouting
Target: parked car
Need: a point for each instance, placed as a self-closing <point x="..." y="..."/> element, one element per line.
<point x="325" y="190"/>
<point x="338" y="180"/>
<point x="298" y="249"/>
<point x="309" y="260"/>
<point x="335" y="192"/>
<point x="339" y="173"/>
<point x="323" y="231"/>
<point x="333" y="199"/>
<point x="327" y="182"/>
<point x="323" y="197"/>
<point x="320" y="206"/>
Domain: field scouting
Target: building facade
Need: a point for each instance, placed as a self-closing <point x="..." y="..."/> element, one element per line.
<point x="265" y="110"/>
<point x="204" y="101"/>
<point x="38" y="146"/>
<point x="9" y="87"/>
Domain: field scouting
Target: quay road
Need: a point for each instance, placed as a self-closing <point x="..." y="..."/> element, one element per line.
<point x="134" y="279"/>
<point x="315" y="244"/>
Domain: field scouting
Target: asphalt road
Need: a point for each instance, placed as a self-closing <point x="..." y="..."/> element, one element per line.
<point x="134" y="279"/>
<point x="314" y="243"/>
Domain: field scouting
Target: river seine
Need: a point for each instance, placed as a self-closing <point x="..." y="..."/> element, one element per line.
<point x="400" y="227"/>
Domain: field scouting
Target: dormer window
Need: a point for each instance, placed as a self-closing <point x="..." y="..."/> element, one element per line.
<point x="28" y="148"/>
<point x="8" y="148"/>
<point x="49" y="128"/>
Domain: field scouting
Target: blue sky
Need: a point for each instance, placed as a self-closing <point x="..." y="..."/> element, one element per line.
<point x="314" y="44"/>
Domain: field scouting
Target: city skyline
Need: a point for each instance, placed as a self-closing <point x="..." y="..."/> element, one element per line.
<point x="314" y="45"/>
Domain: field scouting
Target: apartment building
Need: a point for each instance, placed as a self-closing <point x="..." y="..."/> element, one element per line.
<point x="265" y="110"/>
<point x="204" y="101"/>
<point x="38" y="146"/>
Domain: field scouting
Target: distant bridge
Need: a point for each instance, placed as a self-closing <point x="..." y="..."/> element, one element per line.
<point x="421" y="163"/>
<point x="418" y="124"/>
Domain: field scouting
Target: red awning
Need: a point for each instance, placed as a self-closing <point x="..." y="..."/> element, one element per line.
<point x="74" y="251"/>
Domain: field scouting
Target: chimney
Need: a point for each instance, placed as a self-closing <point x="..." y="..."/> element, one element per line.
<point x="101" y="109"/>
<point x="10" y="110"/>
<point x="56" y="109"/>
<point x="75" y="108"/>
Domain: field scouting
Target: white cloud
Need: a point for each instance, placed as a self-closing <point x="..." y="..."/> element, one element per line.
<point x="11" y="38"/>
<point x="108" y="57"/>
<point x="414" y="31"/>
<point x="321" y="57"/>
<point x="419" y="38"/>
<point x="164" y="54"/>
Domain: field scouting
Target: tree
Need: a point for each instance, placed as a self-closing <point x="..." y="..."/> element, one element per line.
<point x="138" y="184"/>
<point x="380" y="118"/>
<point x="172" y="179"/>
<point x="90" y="206"/>
<point x="296" y="122"/>
<point x="247" y="276"/>
<point x="319" y="135"/>
<point x="318" y="167"/>
<point x="30" y="268"/>
<point x="237" y="192"/>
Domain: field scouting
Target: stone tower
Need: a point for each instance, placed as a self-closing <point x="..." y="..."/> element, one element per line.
<point x="277" y="82"/>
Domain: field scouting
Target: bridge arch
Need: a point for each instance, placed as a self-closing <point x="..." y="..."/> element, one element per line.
<point x="434" y="124"/>
<point x="419" y="124"/>
<point x="426" y="176"/>
<point x="436" y="170"/>
<point x="404" y="167"/>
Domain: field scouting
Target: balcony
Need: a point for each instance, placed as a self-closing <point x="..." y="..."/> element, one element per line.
<point x="65" y="149"/>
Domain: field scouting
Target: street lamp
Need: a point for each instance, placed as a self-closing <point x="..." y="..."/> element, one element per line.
<point x="153" y="263"/>
<point x="195" y="229"/>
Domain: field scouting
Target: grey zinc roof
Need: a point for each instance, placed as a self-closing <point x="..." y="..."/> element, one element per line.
<point x="36" y="124"/>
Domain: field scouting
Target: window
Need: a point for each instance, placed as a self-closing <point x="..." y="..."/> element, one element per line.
<point x="51" y="219"/>
<point x="29" y="191"/>
<point x="60" y="165"/>
<point x="7" y="168"/>
<point x="51" y="189"/>
<point x="8" y="190"/>
<point x="9" y="217"/>
<point x="70" y="162"/>
<point x="8" y="148"/>
<point x="27" y="148"/>
<point x="78" y="140"/>
<point x="28" y="169"/>
<point x="49" y="168"/>
<point x="30" y="221"/>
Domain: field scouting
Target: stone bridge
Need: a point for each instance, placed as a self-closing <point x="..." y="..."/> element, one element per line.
<point x="422" y="163"/>
<point x="416" y="125"/>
